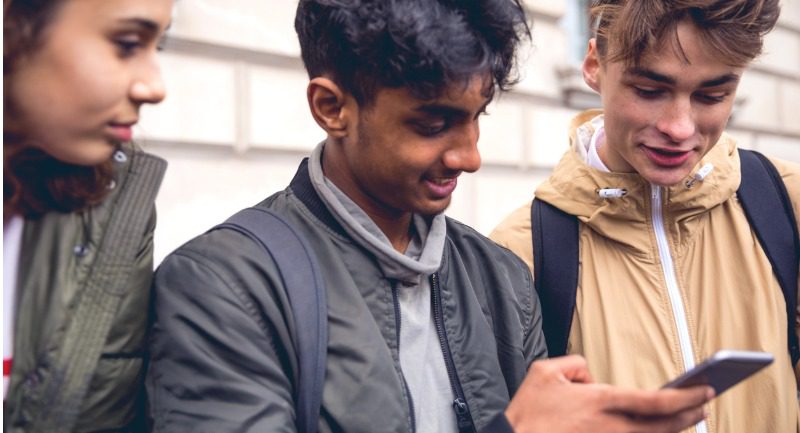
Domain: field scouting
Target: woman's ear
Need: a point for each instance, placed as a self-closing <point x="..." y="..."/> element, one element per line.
<point x="329" y="106"/>
<point x="592" y="66"/>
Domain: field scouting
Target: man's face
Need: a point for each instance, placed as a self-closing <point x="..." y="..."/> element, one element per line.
<point x="404" y="154"/>
<point x="663" y="115"/>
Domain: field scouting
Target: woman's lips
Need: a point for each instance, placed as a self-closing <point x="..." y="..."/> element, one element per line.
<point x="120" y="132"/>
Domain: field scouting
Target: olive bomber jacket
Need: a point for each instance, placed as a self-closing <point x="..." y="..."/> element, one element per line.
<point x="58" y="261"/>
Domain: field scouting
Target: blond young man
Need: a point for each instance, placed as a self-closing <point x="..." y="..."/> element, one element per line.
<point x="670" y="270"/>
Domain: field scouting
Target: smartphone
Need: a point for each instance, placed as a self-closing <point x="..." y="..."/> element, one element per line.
<point x="723" y="370"/>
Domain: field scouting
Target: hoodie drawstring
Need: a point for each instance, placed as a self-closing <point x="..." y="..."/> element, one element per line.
<point x="611" y="192"/>
<point x="700" y="175"/>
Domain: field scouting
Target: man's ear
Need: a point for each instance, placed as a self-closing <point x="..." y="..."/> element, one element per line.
<point x="329" y="106"/>
<point x="592" y="66"/>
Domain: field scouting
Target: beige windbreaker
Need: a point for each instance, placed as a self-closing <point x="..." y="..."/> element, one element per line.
<point x="624" y="322"/>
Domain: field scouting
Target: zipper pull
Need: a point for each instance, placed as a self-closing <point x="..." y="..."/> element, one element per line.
<point x="462" y="414"/>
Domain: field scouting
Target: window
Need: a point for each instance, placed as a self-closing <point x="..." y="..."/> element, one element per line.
<point x="576" y="25"/>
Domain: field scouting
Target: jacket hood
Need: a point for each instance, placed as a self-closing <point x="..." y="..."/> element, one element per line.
<point x="574" y="188"/>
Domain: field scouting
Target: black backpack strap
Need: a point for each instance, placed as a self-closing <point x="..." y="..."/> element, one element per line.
<point x="769" y="211"/>
<point x="301" y="276"/>
<point x="555" y="268"/>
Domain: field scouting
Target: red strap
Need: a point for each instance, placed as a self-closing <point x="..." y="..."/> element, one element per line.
<point x="7" y="366"/>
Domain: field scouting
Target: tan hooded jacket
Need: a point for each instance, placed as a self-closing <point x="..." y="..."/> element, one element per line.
<point x="624" y="322"/>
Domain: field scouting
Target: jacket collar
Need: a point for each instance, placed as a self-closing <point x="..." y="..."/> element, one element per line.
<point x="573" y="187"/>
<point x="303" y="189"/>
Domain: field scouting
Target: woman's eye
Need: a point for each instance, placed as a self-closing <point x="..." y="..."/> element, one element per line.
<point x="127" y="46"/>
<point x="162" y="41"/>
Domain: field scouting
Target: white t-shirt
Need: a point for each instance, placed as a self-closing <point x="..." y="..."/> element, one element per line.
<point x="12" y="241"/>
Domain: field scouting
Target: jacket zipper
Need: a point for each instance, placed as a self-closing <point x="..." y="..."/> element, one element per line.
<point x="668" y="267"/>
<point x="397" y="322"/>
<point x="460" y="407"/>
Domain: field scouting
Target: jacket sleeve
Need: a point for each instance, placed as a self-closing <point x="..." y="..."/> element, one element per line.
<point x="498" y="424"/>
<point x="514" y="233"/>
<point x="535" y="343"/>
<point x="216" y="360"/>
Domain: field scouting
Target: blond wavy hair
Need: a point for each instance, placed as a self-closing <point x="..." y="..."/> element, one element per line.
<point x="733" y="29"/>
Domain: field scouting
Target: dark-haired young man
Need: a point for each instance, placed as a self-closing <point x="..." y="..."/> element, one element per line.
<point x="431" y="327"/>
<point x="671" y="270"/>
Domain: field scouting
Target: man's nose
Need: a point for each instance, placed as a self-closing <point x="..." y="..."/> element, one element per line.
<point x="677" y="121"/>
<point x="464" y="154"/>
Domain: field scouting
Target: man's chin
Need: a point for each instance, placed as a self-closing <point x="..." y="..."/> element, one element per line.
<point x="434" y="208"/>
<point x="668" y="179"/>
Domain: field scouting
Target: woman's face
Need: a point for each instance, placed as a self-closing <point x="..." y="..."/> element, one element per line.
<point x="77" y="95"/>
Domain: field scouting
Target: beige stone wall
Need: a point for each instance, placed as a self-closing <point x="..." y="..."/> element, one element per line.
<point x="235" y="123"/>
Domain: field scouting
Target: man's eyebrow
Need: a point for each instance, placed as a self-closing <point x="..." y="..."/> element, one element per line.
<point x="651" y="75"/>
<point x="661" y="78"/>
<point x="448" y="111"/>
<point x="724" y="79"/>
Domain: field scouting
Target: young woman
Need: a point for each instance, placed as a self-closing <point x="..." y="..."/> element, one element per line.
<point x="78" y="213"/>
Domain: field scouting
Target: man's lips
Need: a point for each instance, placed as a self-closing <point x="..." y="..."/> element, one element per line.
<point x="441" y="187"/>
<point x="666" y="157"/>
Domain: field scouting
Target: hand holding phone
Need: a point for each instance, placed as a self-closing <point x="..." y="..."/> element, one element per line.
<point x="723" y="370"/>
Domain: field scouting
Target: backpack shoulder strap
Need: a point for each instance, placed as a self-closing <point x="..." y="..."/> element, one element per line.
<point x="769" y="211"/>
<point x="555" y="266"/>
<point x="301" y="276"/>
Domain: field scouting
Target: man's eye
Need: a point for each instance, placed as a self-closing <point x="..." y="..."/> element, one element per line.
<point x="429" y="129"/>
<point x="648" y="93"/>
<point x="712" y="98"/>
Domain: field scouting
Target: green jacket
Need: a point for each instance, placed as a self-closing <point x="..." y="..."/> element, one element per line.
<point x="58" y="264"/>
<point x="222" y="357"/>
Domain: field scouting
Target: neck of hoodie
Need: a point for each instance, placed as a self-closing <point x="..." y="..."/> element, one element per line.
<point x="622" y="211"/>
<point x="424" y="253"/>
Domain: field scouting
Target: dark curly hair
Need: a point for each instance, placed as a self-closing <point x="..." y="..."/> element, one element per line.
<point x="422" y="45"/>
<point x="33" y="181"/>
<point x="733" y="29"/>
